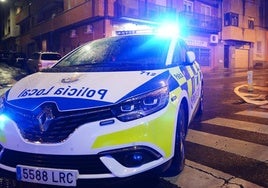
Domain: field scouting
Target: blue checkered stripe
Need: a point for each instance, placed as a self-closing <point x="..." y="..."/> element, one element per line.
<point x="188" y="78"/>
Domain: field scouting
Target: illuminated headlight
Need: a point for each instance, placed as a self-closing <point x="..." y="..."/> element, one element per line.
<point x="142" y="105"/>
<point x="3" y="117"/>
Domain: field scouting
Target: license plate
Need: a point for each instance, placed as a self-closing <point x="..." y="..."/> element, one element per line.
<point x="48" y="176"/>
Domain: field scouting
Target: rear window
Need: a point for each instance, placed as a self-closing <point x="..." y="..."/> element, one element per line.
<point x="50" y="56"/>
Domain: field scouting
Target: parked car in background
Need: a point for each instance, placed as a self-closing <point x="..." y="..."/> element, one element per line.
<point x="42" y="60"/>
<point x="17" y="59"/>
<point x="3" y="56"/>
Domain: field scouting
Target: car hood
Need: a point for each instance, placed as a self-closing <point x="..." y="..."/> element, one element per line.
<point x="75" y="91"/>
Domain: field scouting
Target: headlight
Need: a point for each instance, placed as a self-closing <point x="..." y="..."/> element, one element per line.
<point x="142" y="105"/>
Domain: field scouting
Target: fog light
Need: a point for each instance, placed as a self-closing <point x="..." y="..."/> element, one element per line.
<point x="137" y="156"/>
<point x="134" y="159"/>
<point x="133" y="156"/>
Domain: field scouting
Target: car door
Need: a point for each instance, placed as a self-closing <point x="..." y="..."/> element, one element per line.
<point x="190" y="71"/>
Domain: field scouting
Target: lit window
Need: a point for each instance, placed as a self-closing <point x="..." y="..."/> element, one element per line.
<point x="251" y="23"/>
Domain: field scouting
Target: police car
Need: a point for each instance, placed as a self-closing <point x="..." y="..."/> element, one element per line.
<point x="113" y="108"/>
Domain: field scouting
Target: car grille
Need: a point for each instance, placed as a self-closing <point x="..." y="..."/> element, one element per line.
<point x="60" y="127"/>
<point x="85" y="164"/>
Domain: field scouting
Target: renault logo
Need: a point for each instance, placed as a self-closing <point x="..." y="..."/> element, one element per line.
<point x="44" y="118"/>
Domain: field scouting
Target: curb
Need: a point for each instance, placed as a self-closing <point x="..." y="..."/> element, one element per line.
<point x="258" y="95"/>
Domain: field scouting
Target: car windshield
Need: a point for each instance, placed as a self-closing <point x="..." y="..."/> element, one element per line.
<point x="121" y="53"/>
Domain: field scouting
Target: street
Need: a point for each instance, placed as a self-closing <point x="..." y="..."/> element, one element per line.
<point x="231" y="137"/>
<point x="226" y="147"/>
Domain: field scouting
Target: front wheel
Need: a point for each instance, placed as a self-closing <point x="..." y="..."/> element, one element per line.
<point x="200" y="108"/>
<point x="178" y="160"/>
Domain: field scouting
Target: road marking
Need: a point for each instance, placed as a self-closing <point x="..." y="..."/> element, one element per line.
<point x="264" y="106"/>
<point x="253" y="113"/>
<point x="238" y="147"/>
<point x="205" y="176"/>
<point x="241" y="125"/>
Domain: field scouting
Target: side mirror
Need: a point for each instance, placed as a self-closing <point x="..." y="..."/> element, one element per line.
<point x="190" y="57"/>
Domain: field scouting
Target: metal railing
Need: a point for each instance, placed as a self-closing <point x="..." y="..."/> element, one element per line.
<point x="200" y="22"/>
<point x="142" y="10"/>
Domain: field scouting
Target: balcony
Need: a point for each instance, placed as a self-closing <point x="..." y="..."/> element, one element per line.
<point x="80" y="13"/>
<point x="238" y="34"/>
<point x="141" y="11"/>
<point x="20" y="17"/>
<point x="200" y="22"/>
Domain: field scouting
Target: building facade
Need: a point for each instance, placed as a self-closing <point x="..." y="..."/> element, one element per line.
<point x="244" y="33"/>
<point x="208" y="26"/>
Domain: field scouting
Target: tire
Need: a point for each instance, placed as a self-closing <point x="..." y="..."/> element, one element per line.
<point x="200" y="108"/>
<point x="178" y="160"/>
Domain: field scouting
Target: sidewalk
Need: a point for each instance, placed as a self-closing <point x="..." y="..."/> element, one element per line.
<point x="203" y="176"/>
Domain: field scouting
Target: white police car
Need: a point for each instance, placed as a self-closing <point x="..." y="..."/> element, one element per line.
<point x="115" y="107"/>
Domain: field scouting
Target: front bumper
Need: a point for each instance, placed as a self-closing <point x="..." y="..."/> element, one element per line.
<point x="110" y="164"/>
<point x="116" y="150"/>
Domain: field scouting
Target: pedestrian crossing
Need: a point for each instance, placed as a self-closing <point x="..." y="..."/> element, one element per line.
<point x="264" y="106"/>
<point x="232" y="148"/>
<point x="239" y="147"/>
<point x="254" y="113"/>
<point x="237" y="124"/>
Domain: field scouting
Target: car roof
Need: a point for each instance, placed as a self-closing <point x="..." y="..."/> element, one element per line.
<point x="47" y="52"/>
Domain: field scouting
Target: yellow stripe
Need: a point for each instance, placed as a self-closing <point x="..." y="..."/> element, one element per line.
<point x="2" y="137"/>
<point x="175" y="93"/>
<point x="158" y="132"/>
<point x="182" y="81"/>
<point x="179" y="74"/>
<point x="195" y="68"/>
<point x="190" y="87"/>
<point x="190" y="71"/>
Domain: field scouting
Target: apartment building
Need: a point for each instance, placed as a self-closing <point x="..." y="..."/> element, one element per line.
<point x="62" y="25"/>
<point x="8" y="28"/>
<point x="244" y="33"/>
<point x="201" y="20"/>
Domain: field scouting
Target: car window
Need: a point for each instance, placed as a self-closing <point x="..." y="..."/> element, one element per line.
<point x="120" y="53"/>
<point x="179" y="56"/>
<point x="50" y="56"/>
